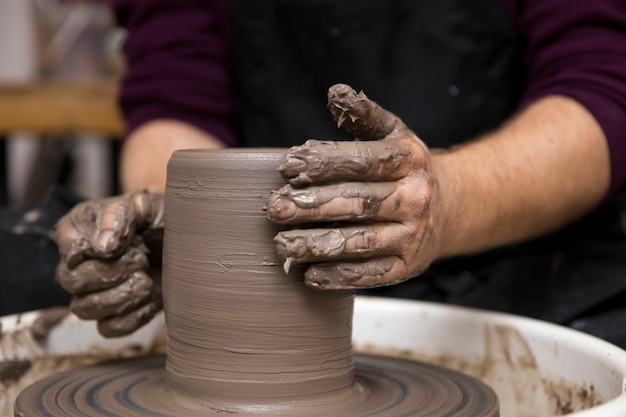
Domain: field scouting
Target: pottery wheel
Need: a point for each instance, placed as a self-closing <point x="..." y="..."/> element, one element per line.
<point x="243" y="336"/>
<point x="388" y="387"/>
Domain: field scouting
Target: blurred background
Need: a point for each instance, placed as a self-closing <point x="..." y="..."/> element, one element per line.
<point x="59" y="123"/>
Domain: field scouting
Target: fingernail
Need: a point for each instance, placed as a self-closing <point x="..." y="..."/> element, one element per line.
<point x="280" y="209"/>
<point x="105" y="241"/>
<point x="292" y="166"/>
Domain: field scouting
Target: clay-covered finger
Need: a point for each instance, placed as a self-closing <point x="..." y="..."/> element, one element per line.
<point x="127" y="323"/>
<point x="323" y="161"/>
<point x="115" y="226"/>
<point x="357" y="275"/>
<point x="98" y="274"/>
<point x="149" y="209"/>
<point x="300" y="246"/>
<point x="114" y="301"/>
<point x="358" y="115"/>
<point x="104" y="228"/>
<point x="96" y="228"/>
<point x="72" y="233"/>
<point x="351" y="201"/>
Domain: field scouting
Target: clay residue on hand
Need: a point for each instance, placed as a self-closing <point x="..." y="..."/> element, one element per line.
<point x="349" y="275"/>
<point x="320" y="161"/>
<point x="99" y="274"/>
<point x="350" y="202"/>
<point x="365" y="119"/>
<point x="344" y="257"/>
<point x="311" y="245"/>
<point x="47" y="320"/>
<point x="103" y="229"/>
<point x="306" y="245"/>
<point x="125" y="324"/>
<point x="114" y="301"/>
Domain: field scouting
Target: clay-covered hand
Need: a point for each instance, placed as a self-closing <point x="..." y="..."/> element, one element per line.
<point x="371" y="202"/>
<point x="111" y="258"/>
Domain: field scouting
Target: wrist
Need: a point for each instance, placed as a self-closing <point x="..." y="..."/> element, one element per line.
<point x="449" y="217"/>
<point x="541" y="171"/>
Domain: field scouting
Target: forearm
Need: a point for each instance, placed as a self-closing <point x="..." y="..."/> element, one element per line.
<point x="147" y="151"/>
<point x="547" y="167"/>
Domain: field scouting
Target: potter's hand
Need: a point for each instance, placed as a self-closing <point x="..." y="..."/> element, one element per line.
<point x="380" y="188"/>
<point x="107" y="248"/>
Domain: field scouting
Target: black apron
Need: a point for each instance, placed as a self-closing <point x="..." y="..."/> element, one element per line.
<point x="451" y="69"/>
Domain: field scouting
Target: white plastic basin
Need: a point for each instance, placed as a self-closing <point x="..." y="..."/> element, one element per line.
<point x="536" y="368"/>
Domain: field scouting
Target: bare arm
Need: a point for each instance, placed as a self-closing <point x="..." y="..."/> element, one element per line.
<point x="148" y="149"/>
<point x="544" y="169"/>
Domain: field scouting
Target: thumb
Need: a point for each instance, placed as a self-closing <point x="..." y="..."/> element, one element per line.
<point x="119" y="220"/>
<point x="358" y="115"/>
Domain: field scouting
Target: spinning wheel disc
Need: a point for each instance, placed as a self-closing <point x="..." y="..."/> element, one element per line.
<point x="386" y="387"/>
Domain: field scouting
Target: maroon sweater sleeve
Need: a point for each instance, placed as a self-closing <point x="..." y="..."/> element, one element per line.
<point x="178" y="63"/>
<point x="578" y="49"/>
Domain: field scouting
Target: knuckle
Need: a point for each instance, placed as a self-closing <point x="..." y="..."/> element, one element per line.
<point x="66" y="278"/>
<point x="425" y="198"/>
<point x="292" y="244"/>
<point x="66" y="236"/>
<point x="419" y="201"/>
<point x="83" y="307"/>
<point x="135" y="259"/>
<point x="124" y="325"/>
<point x="140" y="284"/>
<point x="365" y="240"/>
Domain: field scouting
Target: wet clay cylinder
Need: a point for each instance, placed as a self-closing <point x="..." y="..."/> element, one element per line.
<point x="241" y="333"/>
